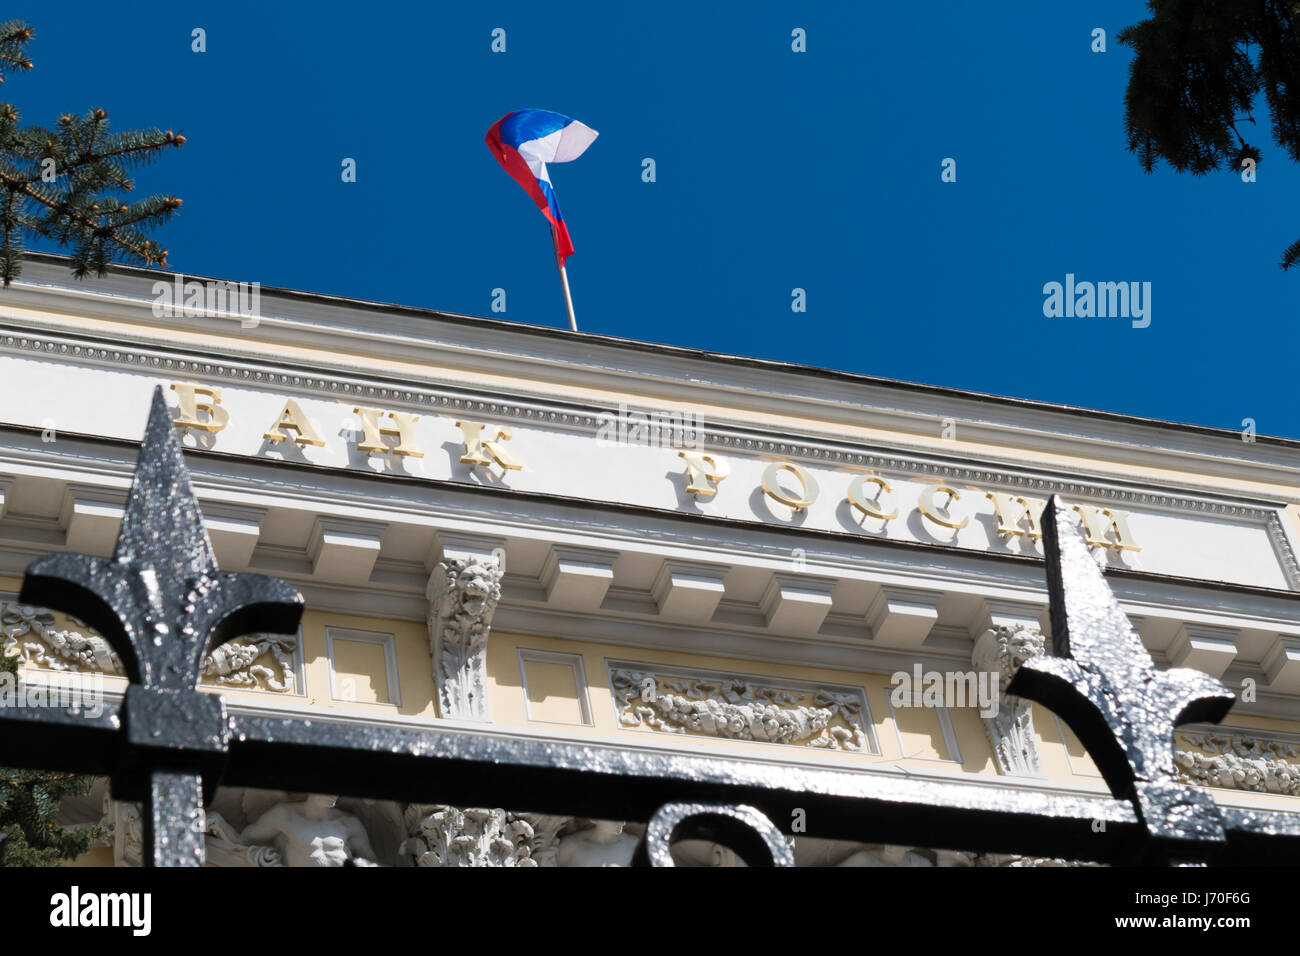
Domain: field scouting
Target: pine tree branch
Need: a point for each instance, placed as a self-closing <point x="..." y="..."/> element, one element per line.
<point x="1290" y="256"/>
<point x="81" y="204"/>
<point x="14" y="35"/>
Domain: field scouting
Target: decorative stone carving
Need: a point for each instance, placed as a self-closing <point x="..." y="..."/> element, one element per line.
<point x="1001" y="650"/>
<point x="442" y="835"/>
<point x="885" y="855"/>
<point x="124" y="831"/>
<point x="605" y="843"/>
<point x="743" y="708"/>
<point x="311" y="832"/>
<point x="225" y="847"/>
<point x="819" y="852"/>
<point x="1240" y="763"/>
<point x="236" y="663"/>
<point x="30" y="635"/>
<point x="464" y="592"/>
<point x="544" y="846"/>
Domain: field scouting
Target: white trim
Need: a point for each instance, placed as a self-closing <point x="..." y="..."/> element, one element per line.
<point x="530" y="656"/>
<point x="386" y="641"/>
<point x="945" y="728"/>
<point x="1069" y="761"/>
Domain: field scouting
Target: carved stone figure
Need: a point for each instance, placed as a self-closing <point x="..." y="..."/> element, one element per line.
<point x="226" y="848"/>
<point x="816" y="852"/>
<point x="463" y="597"/>
<point x="311" y="833"/>
<point x="886" y="856"/>
<point x="603" y="844"/>
<point x="1011" y="730"/>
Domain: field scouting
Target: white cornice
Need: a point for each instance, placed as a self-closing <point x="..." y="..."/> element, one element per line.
<point x="676" y="377"/>
<point x="736" y="435"/>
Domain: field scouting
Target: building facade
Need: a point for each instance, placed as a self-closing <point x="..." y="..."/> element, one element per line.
<point x="579" y="537"/>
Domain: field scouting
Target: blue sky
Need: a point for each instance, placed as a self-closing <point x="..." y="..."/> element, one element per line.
<point x="775" y="170"/>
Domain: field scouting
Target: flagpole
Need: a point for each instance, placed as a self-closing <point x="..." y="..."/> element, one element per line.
<point x="564" y="281"/>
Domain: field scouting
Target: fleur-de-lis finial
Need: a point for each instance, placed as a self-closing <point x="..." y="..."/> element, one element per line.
<point x="1103" y="683"/>
<point x="161" y="600"/>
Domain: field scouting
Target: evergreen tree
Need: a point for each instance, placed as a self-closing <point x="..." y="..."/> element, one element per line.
<point x="29" y="804"/>
<point x="1199" y="68"/>
<point x="69" y="184"/>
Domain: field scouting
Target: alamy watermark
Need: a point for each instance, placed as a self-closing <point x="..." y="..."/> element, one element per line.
<point x="74" y="908"/>
<point x="55" y="690"/>
<point x="948" y="689"/>
<point x="1101" y="300"/>
<point x="209" y="298"/>
<point x="655" y="428"/>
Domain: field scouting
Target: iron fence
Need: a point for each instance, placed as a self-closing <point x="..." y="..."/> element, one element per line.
<point x="162" y="602"/>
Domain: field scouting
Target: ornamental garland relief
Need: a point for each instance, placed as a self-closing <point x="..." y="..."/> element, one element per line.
<point x="30" y="634"/>
<point x="742" y="708"/>
<point x="256" y="662"/>
<point x="1239" y="763"/>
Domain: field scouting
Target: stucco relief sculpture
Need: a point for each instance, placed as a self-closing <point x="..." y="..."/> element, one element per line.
<point x="1010" y="731"/>
<point x="284" y="831"/>
<point x="884" y="855"/>
<point x="740" y="709"/>
<point x="442" y="835"/>
<point x="1240" y="763"/>
<point x="124" y="831"/>
<point x="463" y="597"/>
<point x="227" y="848"/>
<point x="30" y="635"/>
<point x="604" y="843"/>
<point x="245" y="662"/>
<point x="311" y="832"/>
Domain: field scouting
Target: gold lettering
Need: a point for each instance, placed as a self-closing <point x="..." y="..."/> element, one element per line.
<point x="774" y="490"/>
<point x="868" y="506"/>
<point x="1003" y="508"/>
<point x="190" y="405"/>
<point x="292" y="418"/>
<point x="402" y="430"/>
<point x="931" y="509"/>
<point x="703" y="469"/>
<point x="476" y="444"/>
<point x="1098" y="529"/>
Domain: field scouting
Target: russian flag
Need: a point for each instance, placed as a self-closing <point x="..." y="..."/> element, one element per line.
<point x="523" y="142"/>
